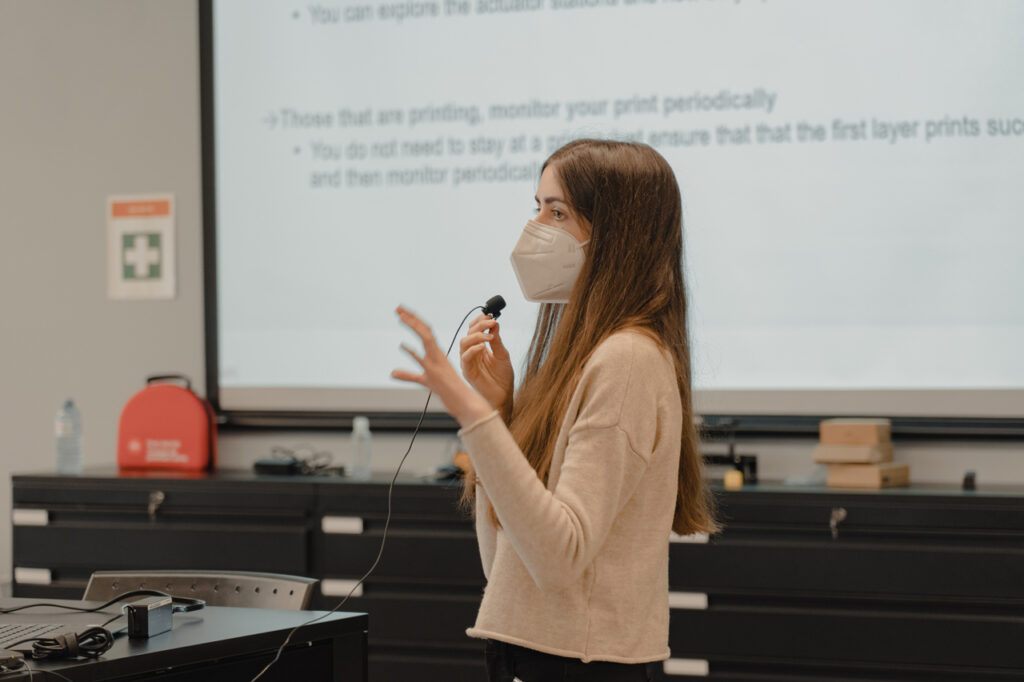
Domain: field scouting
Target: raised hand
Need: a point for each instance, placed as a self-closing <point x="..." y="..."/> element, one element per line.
<point x="460" y="400"/>
<point x="486" y="364"/>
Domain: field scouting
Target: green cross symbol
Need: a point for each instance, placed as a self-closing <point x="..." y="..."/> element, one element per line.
<point x="141" y="255"/>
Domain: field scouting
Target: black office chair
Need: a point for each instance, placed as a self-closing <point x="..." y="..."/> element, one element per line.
<point x="216" y="588"/>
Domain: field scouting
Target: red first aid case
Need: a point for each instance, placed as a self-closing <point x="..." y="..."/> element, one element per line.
<point x="166" y="426"/>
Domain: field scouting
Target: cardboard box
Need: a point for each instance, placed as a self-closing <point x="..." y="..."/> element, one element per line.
<point x="855" y="431"/>
<point x="884" y="475"/>
<point x="853" y="454"/>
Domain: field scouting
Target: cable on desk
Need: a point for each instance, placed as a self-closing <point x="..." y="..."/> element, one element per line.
<point x="111" y="620"/>
<point x="387" y="519"/>
<point x="92" y="642"/>
<point x="182" y="604"/>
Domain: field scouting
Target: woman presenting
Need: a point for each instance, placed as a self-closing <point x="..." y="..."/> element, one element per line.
<point x="580" y="475"/>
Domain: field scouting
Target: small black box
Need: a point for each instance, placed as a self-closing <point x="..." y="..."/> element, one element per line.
<point x="278" y="466"/>
<point x="149" y="616"/>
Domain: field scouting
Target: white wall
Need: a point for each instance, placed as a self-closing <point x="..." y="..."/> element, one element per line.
<point x="101" y="97"/>
<point x="96" y="98"/>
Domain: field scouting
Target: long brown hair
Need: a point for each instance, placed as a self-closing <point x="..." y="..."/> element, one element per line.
<point x="632" y="278"/>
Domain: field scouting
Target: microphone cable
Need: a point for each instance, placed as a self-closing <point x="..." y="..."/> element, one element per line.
<point x="492" y="307"/>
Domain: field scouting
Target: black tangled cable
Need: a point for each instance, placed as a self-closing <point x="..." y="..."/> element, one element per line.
<point x="92" y="642"/>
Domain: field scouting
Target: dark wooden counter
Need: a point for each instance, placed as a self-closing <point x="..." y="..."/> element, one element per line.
<point x="919" y="583"/>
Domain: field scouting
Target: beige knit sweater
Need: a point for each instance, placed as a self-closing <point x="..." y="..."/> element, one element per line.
<point x="579" y="568"/>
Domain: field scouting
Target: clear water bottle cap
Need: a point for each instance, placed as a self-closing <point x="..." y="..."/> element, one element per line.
<point x="361" y="425"/>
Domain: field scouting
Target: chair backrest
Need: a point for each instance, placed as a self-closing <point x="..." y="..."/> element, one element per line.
<point x="216" y="588"/>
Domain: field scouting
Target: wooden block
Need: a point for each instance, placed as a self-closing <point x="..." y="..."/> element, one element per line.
<point x="884" y="475"/>
<point x="733" y="479"/>
<point x="855" y="431"/>
<point x="853" y="454"/>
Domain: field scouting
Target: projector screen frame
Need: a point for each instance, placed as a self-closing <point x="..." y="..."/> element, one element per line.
<point x="309" y="418"/>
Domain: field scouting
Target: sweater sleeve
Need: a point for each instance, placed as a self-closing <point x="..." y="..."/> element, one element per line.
<point x="558" y="532"/>
<point x="486" y="533"/>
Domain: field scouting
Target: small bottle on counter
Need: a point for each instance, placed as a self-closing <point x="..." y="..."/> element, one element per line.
<point x="362" y="448"/>
<point x="68" y="427"/>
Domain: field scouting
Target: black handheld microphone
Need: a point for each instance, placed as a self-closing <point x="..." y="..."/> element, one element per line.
<point x="494" y="306"/>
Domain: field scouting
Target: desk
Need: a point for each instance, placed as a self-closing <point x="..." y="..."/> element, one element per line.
<point x="220" y="643"/>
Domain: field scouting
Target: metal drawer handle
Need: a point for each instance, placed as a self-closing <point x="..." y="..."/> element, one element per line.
<point x="156" y="498"/>
<point x="838" y="516"/>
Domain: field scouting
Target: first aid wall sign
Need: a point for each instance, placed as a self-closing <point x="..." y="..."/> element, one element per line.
<point x="140" y="247"/>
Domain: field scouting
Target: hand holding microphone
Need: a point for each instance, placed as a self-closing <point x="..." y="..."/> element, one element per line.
<point x="485" y="361"/>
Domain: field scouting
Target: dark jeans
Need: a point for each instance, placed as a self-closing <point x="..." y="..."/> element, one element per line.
<point x="506" y="662"/>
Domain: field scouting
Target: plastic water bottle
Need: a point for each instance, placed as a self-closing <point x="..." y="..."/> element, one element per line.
<point x="362" y="448"/>
<point x="68" y="426"/>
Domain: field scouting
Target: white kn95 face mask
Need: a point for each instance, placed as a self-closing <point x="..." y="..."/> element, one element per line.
<point x="547" y="261"/>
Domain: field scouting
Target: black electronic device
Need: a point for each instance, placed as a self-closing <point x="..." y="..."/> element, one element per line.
<point x="148" y="617"/>
<point x="278" y="466"/>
